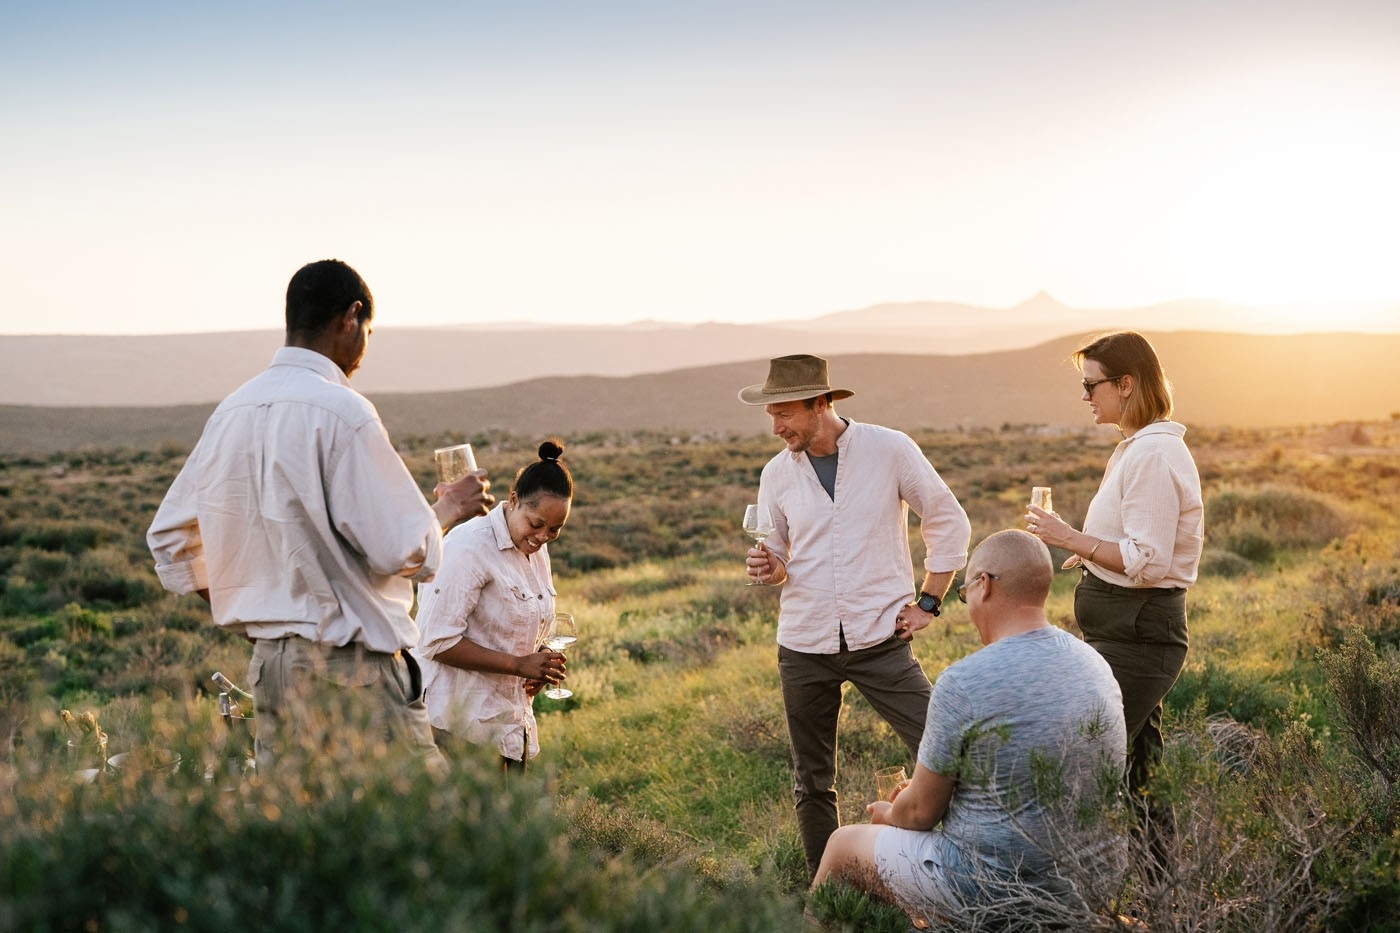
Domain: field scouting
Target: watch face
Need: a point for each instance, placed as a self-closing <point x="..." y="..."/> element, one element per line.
<point x="927" y="603"/>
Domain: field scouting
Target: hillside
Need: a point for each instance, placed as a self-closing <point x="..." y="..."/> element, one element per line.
<point x="1220" y="379"/>
<point x="185" y="369"/>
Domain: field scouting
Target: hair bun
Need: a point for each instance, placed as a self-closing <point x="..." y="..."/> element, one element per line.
<point x="551" y="450"/>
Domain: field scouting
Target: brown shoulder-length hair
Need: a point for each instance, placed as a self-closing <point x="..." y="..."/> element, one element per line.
<point x="1127" y="353"/>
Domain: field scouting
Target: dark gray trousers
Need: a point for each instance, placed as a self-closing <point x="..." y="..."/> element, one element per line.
<point x="890" y="680"/>
<point x="1142" y="634"/>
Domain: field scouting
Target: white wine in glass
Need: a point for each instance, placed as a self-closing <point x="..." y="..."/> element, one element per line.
<point x="563" y="632"/>
<point x="1040" y="498"/>
<point x="756" y="526"/>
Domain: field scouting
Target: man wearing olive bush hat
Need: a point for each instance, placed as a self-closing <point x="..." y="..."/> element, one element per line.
<point x="837" y="500"/>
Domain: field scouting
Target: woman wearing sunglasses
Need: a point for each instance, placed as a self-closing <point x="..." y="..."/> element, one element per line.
<point x="1142" y="537"/>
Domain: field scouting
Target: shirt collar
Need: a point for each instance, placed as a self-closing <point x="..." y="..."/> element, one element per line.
<point x="1158" y="427"/>
<point x="842" y="440"/>
<point x="318" y="363"/>
<point x="499" y="528"/>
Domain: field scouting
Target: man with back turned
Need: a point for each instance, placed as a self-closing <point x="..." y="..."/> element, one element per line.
<point x="296" y="519"/>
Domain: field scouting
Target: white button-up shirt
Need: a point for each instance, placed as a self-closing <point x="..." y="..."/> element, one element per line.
<point x="492" y="593"/>
<point x="849" y="567"/>
<point x="297" y="514"/>
<point x="1149" y="507"/>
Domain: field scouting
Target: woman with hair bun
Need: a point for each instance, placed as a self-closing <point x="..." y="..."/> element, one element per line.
<point x="482" y="617"/>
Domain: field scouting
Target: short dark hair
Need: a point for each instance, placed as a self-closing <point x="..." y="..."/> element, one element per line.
<point x="546" y="475"/>
<point x="320" y="292"/>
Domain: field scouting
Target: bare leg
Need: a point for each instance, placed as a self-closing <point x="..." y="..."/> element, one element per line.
<point x="850" y="856"/>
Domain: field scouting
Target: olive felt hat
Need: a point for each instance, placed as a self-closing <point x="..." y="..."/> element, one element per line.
<point x="792" y="379"/>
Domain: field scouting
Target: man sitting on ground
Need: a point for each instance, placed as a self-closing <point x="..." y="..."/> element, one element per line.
<point x="1021" y="761"/>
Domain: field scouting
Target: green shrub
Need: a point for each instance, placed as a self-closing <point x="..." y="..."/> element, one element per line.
<point x="1365" y="685"/>
<point x="1237" y="843"/>
<point x="80" y="623"/>
<point x="1257" y="523"/>
<point x="1372" y="901"/>
<point x="359" y="840"/>
<point x="70" y="536"/>
<point x="1219" y="689"/>
<point x="1216" y="562"/>
<point x="106" y="578"/>
<point x="1360" y="576"/>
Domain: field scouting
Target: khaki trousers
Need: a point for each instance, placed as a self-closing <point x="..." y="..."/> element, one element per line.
<point x="315" y="699"/>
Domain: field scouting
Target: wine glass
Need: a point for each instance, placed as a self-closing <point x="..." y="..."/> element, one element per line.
<point x="887" y="779"/>
<point x="756" y="526"/>
<point x="1040" y="498"/>
<point x="454" y="463"/>
<point x="563" y="632"/>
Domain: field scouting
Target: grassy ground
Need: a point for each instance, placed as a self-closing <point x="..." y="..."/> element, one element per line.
<point x="672" y="758"/>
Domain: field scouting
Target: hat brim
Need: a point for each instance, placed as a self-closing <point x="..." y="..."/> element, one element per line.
<point x="754" y="395"/>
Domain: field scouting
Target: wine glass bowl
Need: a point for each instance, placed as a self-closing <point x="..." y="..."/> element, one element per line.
<point x="561" y="634"/>
<point x="1040" y="498"/>
<point x="756" y="526"/>
<point x="454" y="463"/>
<point x="887" y="779"/>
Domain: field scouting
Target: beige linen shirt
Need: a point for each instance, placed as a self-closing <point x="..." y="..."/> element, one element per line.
<point x="297" y="514"/>
<point x="1149" y="507"/>
<point x="849" y="567"/>
<point x="490" y="592"/>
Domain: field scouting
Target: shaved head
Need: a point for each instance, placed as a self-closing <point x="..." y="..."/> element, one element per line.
<point x="1020" y="560"/>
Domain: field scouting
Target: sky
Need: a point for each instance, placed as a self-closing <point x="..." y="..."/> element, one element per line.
<point x="166" y="167"/>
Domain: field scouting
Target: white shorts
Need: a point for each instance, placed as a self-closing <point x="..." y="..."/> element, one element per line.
<point x="922" y="870"/>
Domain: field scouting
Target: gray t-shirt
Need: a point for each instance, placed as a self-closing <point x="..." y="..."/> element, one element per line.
<point x="826" y="471"/>
<point x="1031" y="728"/>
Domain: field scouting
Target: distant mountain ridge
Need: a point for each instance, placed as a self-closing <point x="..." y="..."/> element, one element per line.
<point x="1241" y="380"/>
<point x="180" y="369"/>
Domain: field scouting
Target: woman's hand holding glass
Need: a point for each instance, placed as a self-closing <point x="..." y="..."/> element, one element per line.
<point x="1048" y="527"/>
<point x="545" y="668"/>
<point x="1043" y="521"/>
<point x="558" y="633"/>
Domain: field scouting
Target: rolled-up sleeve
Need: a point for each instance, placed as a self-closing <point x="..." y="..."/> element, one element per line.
<point x="1149" y="507"/>
<point x="1151" y="511"/>
<point x="943" y="523"/>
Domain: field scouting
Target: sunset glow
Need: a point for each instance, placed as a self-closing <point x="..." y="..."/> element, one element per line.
<point x="169" y="165"/>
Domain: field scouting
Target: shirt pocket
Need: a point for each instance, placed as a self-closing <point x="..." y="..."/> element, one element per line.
<point x="524" y="613"/>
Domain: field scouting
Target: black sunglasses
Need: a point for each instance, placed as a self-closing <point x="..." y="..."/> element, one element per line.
<point x="1090" y="386"/>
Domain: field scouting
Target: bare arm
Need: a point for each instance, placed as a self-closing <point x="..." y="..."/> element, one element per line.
<point x="922" y="804"/>
<point x="467" y="655"/>
<point x="1048" y="527"/>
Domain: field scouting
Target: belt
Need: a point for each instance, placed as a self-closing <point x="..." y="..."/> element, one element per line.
<point x="353" y="648"/>
<point x="1160" y="590"/>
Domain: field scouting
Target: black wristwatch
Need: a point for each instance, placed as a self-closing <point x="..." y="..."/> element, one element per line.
<point x="929" y="603"/>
